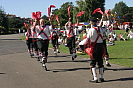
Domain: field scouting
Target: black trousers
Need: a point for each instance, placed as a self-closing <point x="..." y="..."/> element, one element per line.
<point x="71" y="44"/>
<point x="55" y="42"/>
<point x="29" y="43"/>
<point x="34" y="41"/>
<point x="97" y="56"/>
<point x="43" y="46"/>
<point x="105" y="47"/>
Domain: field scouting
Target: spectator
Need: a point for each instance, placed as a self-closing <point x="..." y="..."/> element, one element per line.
<point x="130" y="35"/>
<point x="120" y="37"/>
<point x="111" y="41"/>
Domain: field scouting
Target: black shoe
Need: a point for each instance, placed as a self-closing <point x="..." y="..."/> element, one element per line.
<point x="101" y="79"/>
<point x="58" y="52"/>
<point x="72" y="58"/>
<point x="38" y="59"/>
<point x="75" y="56"/>
<point x="93" y="81"/>
<point x="108" y="65"/>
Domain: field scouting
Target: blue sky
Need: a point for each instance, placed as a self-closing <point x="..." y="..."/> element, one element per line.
<point x="23" y="8"/>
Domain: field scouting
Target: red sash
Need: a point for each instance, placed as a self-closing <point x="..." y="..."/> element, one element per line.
<point x="71" y="30"/>
<point x="90" y="49"/>
<point x="54" y="34"/>
<point x="42" y="32"/>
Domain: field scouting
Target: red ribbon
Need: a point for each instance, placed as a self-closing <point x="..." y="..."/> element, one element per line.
<point x="26" y="26"/>
<point x="97" y="10"/>
<point x="107" y="12"/>
<point x="49" y="9"/>
<point x="52" y="17"/>
<point x="52" y="6"/>
<point x="33" y="15"/>
<point x="36" y="16"/>
<point x="68" y="9"/>
<point x="80" y="13"/>
<point x="31" y="23"/>
<point x="57" y="19"/>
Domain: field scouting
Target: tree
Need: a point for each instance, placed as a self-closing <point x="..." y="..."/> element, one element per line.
<point x="46" y="19"/>
<point x="91" y="5"/>
<point x="62" y="13"/>
<point x="120" y="9"/>
<point x="129" y="16"/>
<point x="15" y="23"/>
<point x="80" y="7"/>
<point x="3" y="19"/>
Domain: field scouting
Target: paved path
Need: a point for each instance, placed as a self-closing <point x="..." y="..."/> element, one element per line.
<point x="18" y="70"/>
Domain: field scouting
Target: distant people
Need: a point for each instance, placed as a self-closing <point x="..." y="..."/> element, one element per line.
<point x="127" y="28"/>
<point x="24" y="32"/>
<point x="114" y="35"/>
<point x="130" y="35"/>
<point x="120" y="37"/>
<point x="19" y="31"/>
<point x="111" y="41"/>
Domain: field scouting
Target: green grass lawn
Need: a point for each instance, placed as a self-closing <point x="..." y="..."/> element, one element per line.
<point x="121" y="53"/>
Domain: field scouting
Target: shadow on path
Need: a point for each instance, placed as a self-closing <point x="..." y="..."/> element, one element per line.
<point x="120" y="79"/>
<point x="120" y="69"/>
<point x="10" y="39"/>
<point x="65" y="70"/>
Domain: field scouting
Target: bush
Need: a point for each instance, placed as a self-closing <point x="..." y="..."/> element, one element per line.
<point x="2" y="30"/>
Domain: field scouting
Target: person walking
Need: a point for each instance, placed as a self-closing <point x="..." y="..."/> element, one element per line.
<point x="95" y="36"/>
<point x="29" y="41"/>
<point x="54" y="39"/>
<point x="43" y="36"/>
<point x="70" y="38"/>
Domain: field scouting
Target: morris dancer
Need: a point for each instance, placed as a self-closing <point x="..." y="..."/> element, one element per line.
<point x="34" y="38"/>
<point x="54" y="38"/>
<point x="95" y="35"/>
<point x="54" y="35"/>
<point x="29" y="40"/>
<point x="70" y="38"/>
<point x="106" y="54"/>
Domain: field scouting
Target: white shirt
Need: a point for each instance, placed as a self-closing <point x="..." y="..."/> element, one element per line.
<point x="33" y="32"/>
<point x="28" y="35"/>
<point x="67" y="31"/>
<point x="92" y="34"/>
<point x="131" y="34"/>
<point x="46" y="31"/>
<point x="126" y="26"/>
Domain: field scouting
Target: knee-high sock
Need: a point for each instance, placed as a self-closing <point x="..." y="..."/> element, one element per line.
<point x="101" y="72"/>
<point x="94" y="73"/>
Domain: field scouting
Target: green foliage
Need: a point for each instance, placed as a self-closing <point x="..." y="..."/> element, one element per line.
<point x="15" y="23"/>
<point x="91" y="5"/>
<point x="63" y="13"/>
<point x="2" y="30"/>
<point x="121" y="8"/>
<point x="3" y="19"/>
